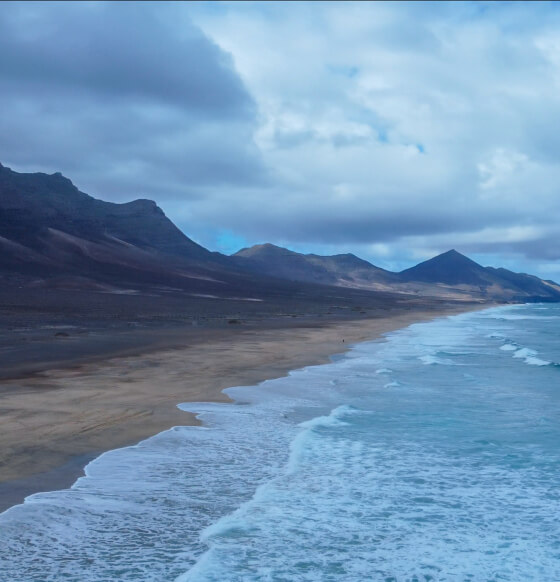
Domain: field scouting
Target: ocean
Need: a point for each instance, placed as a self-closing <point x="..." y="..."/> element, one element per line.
<point x="430" y="455"/>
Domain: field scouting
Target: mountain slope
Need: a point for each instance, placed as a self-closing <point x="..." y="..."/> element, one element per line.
<point x="30" y="204"/>
<point x="53" y="234"/>
<point x="450" y="275"/>
<point x="344" y="270"/>
<point x="451" y="268"/>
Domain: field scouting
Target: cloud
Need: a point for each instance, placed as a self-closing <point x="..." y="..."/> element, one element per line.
<point x="393" y="130"/>
<point x="126" y="98"/>
<point x="390" y="123"/>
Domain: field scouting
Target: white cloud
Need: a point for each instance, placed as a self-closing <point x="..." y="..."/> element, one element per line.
<point x="389" y="128"/>
<point x="391" y="121"/>
<point x="502" y="166"/>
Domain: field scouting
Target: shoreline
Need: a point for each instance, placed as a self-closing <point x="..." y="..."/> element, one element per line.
<point x="58" y="420"/>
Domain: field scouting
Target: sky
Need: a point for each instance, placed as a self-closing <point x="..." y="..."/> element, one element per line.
<point x="395" y="130"/>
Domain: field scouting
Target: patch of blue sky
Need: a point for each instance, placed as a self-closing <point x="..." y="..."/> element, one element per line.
<point x="228" y="242"/>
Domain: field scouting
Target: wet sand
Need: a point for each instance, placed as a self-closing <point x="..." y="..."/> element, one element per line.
<point x="56" y="420"/>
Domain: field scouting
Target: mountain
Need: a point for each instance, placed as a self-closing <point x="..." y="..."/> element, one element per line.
<point x="31" y="204"/>
<point x="52" y="234"/>
<point x="451" y="268"/>
<point x="55" y="240"/>
<point x="451" y="275"/>
<point x="344" y="270"/>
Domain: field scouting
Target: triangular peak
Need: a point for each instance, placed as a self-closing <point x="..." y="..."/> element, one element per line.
<point x="450" y="254"/>
<point x="450" y="267"/>
<point x="450" y="257"/>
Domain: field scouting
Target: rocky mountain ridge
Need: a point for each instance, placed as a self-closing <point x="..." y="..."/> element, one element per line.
<point x="449" y="274"/>
<point x="53" y="235"/>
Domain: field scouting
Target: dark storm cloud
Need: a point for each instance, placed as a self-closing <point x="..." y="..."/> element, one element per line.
<point x="130" y="98"/>
<point x="324" y="222"/>
<point x="122" y="50"/>
<point x="544" y="246"/>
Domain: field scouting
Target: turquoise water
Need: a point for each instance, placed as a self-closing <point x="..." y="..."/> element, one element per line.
<point x="431" y="456"/>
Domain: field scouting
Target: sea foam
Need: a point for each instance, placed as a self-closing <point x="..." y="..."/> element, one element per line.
<point x="334" y="473"/>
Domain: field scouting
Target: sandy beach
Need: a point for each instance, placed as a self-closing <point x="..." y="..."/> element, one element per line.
<point x="56" y="420"/>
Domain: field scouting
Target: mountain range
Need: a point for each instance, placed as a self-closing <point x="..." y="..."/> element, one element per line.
<point x="450" y="275"/>
<point x="52" y="235"/>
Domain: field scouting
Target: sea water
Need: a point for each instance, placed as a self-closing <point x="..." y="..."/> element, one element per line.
<point x="432" y="455"/>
